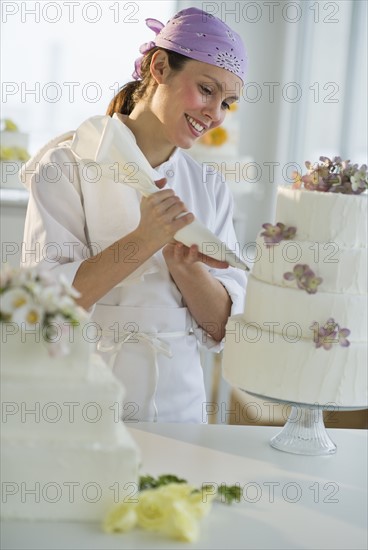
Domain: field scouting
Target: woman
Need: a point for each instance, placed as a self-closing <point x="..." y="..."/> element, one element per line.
<point x="154" y="300"/>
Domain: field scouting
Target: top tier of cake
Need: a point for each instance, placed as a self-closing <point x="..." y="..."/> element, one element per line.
<point x="25" y="356"/>
<point x="334" y="217"/>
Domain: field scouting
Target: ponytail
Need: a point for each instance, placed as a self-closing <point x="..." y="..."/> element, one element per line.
<point x="123" y="102"/>
<point x="132" y="92"/>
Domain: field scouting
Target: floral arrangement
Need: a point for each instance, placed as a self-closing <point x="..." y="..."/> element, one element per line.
<point x="335" y="176"/>
<point x="273" y="234"/>
<point x="12" y="153"/>
<point x="330" y="333"/>
<point x="167" y="505"/>
<point x="35" y="300"/>
<point x="305" y="278"/>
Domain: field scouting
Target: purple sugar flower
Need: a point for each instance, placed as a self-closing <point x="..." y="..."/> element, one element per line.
<point x="330" y="334"/>
<point x="311" y="283"/>
<point x="305" y="278"/>
<point x="342" y="335"/>
<point x="273" y="234"/>
<point x="289" y="233"/>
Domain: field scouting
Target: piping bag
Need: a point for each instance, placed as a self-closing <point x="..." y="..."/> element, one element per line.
<point x="109" y="142"/>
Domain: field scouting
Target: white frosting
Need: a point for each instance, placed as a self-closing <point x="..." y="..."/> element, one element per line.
<point x="25" y="355"/>
<point x="275" y="366"/>
<point x="84" y="410"/>
<point x="344" y="270"/>
<point x="66" y="471"/>
<point x="267" y="303"/>
<point x="274" y="335"/>
<point x="61" y="425"/>
<point x="324" y="217"/>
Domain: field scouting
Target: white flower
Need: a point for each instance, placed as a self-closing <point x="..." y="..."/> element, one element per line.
<point x="28" y="317"/>
<point x="15" y="298"/>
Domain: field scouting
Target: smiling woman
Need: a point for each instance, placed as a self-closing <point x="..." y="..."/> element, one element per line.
<point x="155" y="300"/>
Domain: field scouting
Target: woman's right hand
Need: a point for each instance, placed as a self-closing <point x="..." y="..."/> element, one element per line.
<point x="159" y="217"/>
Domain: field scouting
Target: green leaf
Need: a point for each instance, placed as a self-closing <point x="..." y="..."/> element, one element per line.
<point x="229" y="493"/>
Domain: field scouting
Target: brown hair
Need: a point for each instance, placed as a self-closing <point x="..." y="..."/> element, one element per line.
<point x="132" y="92"/>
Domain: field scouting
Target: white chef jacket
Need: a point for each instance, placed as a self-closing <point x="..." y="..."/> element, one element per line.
<point x="143" y="326"/>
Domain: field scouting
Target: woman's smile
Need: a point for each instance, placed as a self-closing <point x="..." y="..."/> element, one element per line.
<point x="195" y="126"/>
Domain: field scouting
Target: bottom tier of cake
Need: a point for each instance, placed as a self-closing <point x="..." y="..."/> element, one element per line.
<point x="289" y="368"/>
<point x="57" y="481"/>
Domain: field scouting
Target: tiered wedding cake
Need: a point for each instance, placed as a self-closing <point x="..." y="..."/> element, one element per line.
<point x="303" y="334"/>
<point x="13" y="153"/>
<point x="65" y="454"/>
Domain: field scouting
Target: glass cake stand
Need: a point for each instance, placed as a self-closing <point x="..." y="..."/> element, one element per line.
<point x="304" y="432"/>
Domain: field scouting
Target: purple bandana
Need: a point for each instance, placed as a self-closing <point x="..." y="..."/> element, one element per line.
<point x="198" y="35"/>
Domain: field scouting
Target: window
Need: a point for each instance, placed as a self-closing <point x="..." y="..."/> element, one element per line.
<point x="63" y="61"/>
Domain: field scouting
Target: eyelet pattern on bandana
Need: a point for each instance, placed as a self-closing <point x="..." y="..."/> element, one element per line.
<point x="198" y="35"/>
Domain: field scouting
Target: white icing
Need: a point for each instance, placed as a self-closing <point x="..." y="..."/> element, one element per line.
<point x="267" y="303"/>
<point x="84" y="410"/>
<point x="344" y="270"/>
<point x="324" y="217"/>
<point x="25" y="355"/>
<point x="58" y="469"/>
<point x="277" y="367"/>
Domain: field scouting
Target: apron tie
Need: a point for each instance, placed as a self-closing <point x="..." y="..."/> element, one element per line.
<point x="109" y="343"/>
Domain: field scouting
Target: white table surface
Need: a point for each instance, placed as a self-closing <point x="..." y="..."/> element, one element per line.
<point x="318" y="502"/>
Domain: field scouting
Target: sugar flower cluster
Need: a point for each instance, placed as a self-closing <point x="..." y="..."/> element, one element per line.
<point x="335" y="176"/>
<point x="37" y="301"/>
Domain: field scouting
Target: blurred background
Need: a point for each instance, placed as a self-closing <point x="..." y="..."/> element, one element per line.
<point x="305" y="93"/>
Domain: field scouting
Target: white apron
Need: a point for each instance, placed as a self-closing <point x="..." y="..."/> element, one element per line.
<point x="154" y="352"/>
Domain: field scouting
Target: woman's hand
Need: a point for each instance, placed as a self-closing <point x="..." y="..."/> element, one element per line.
<point x="177" y="255"/>
<point x="159" y="213"/>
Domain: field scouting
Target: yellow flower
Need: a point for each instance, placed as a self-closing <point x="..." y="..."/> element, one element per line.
<point x="122" y="518"/>
<point x="153" y="510"/>
<point x="184" y="523"/>
<point x="10" y="126"/>
<point x="216" y="137"/>
<point x="173" y="510"/>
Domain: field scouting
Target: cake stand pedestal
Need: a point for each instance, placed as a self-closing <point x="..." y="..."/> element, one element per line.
<point x="304" y="432"/>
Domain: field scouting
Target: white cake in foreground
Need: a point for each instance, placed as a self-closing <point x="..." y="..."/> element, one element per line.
<point x="271" y="350"/>
<point x="65" y="454"/>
